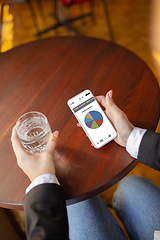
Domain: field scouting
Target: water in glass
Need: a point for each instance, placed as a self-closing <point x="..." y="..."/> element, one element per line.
<point x="34" y="133"/>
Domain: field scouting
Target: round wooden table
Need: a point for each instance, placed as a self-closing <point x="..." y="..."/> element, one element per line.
<point x="42" y="76"/>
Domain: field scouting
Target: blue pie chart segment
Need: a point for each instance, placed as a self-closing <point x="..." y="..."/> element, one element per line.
<point x="93" y="119"/>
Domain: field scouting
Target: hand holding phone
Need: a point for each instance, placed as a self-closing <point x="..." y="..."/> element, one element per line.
<point x="92" y="118"/>
<point x="119" y="119"/>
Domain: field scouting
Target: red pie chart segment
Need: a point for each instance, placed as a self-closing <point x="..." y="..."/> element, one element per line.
<point x="93" y="119"/>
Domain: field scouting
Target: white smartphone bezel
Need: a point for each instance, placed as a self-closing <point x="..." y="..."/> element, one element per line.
<point x="71" y="100"/>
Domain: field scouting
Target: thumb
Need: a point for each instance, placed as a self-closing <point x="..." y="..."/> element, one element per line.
<point x="16" y="143"/>
<point x="101" y="100"/>
<point x="52" y="142"/>
<point x="109" y="98"/>
<point x="106" y="101"/>
<point x="111" y="106"/>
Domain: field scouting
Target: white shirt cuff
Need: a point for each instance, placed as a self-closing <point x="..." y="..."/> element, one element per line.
<point x="156" y="235"/>
<point x="45" y="178"/>
<point x="134" y="141"/>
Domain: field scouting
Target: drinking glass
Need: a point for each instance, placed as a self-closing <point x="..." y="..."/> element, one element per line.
<point x="34" y="131"/>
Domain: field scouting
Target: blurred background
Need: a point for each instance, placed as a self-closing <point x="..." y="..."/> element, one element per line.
<point x="127" y="23"/>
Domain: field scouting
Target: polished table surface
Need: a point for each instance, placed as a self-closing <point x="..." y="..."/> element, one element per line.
<point x="42" y="76"/>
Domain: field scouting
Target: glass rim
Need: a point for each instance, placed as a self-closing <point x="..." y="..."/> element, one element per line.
<point x="27" y="113"/>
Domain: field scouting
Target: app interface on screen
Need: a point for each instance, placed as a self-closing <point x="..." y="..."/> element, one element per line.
<point x="92" y="117"/>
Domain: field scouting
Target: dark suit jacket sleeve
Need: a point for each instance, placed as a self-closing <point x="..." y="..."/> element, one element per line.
<point x="46" y="215"/>
<point x="149" y="150"/>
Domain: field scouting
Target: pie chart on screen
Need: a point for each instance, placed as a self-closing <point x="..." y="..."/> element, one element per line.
<point x="93" y="119"/>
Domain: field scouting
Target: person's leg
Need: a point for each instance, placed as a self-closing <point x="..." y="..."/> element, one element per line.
<point x="92" y="220"/>
<point x="137" y="204"/>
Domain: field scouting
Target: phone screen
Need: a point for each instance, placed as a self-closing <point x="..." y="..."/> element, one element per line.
<point x="92" y="118"/>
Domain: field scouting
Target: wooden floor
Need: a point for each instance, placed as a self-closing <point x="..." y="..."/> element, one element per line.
<point x="130" y="23"/>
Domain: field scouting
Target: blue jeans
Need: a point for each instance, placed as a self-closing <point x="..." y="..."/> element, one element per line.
<point x="137" y="203"/>
<point x="92" y="220"/>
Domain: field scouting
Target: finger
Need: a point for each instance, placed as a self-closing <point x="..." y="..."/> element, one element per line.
<point x="16" y="143"/>
<point x="111" y="104"/>
<point x="14" y="134"/>
<point x="101" y="100"/>
<point x="110" y="94"/>
<point x="52" y="142"/>
<point x="78" y="125"/>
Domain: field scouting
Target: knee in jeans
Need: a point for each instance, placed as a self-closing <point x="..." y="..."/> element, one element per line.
<point x="126" y="189"/>
<point x="130" y="181"/>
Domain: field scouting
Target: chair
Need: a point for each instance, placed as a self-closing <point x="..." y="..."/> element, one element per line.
<point x="13" y="2"/>
<point x="68" y="3"/>
<point x="66" y="21"/>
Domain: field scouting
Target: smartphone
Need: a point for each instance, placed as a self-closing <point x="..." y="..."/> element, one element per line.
<point x="92" y="118"/>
